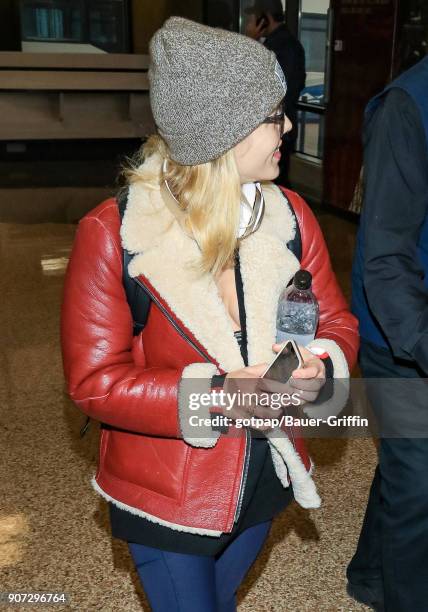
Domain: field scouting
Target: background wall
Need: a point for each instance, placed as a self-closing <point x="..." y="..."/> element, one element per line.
<point x="148" y="16"/>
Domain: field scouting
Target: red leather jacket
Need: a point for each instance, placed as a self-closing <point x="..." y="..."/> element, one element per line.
<point x="149" y="462"/>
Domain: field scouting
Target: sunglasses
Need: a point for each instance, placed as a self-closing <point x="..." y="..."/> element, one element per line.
<point x="278" y="119"/>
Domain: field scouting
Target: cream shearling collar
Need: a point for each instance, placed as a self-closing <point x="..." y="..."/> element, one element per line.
<point x="162" y="254"/>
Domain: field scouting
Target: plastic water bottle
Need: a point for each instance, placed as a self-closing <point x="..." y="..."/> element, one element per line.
<point x="298" y="311"/>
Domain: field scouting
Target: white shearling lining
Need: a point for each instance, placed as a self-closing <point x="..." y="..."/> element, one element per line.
<point x="280" y="467"/>
<point x="334" y="405"/>
<point x="304" y="490"/>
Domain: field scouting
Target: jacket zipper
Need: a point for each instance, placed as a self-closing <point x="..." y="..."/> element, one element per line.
<point x="171" y="320"/>
<point x="202" y="354"/>
<point x="244" y="474"/>
<point x="85" y="427"/>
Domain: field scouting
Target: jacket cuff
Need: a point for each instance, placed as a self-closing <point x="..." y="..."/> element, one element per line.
<point x="327" y="391"/>
<point x="329" y="368"/>
<point x="193" y="411"/>
<point x="335" y="393"/>
<point x="217" y="381"/>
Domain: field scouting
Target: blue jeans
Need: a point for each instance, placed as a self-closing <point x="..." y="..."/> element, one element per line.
<point x="176" y="582"/>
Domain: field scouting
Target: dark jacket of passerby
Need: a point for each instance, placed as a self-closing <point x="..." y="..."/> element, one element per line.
<point x="390" y="273"/>
<point x="390" y="298"/>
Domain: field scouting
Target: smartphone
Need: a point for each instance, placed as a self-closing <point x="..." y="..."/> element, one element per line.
<point x="285" y="362"/>
<point x="262" y="20"/>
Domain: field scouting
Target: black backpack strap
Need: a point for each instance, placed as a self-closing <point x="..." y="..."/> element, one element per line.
<point x="295" y="245"/>
<point x="139" y="301"/>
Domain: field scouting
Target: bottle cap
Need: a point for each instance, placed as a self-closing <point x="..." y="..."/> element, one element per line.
<point x="302" y="280"/>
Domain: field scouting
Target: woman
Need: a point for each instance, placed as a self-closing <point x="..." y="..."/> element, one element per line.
<point x="196" y="503"/>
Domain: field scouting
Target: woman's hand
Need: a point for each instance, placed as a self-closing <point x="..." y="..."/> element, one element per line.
<point x="308" y="380"/>
<point x="305" y="383"/>
<point x="247" y="381"/>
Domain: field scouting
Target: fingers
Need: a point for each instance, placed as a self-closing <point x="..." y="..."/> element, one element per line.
<point x="302" y="384"/>
<point x="277" y="347"/>
<point x="306" y="354"/>
<point x="257" y="370"/>
<point x="308" y="382"/>
<point x="313" y="368"/>
<point x="306" y="372"/>
<point x="303" y="379"/>
<point x="273" y="386"/>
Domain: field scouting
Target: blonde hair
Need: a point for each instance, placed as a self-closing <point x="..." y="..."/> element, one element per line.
<point x="210" y="196"/>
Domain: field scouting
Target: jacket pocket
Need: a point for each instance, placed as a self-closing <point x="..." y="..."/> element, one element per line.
<point x="156" y="464"/>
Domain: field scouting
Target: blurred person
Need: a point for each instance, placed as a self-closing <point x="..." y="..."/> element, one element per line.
<point x="265" y="20"/>
<point x="210" y="246"/>
<point x="389" y="570"/>
<point x="218" y="14"/>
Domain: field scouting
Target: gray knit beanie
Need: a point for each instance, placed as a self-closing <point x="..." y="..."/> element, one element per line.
<point x="209" y="88"/>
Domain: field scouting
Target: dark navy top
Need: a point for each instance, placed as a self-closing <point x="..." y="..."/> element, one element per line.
<point x="390" y="269"/>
